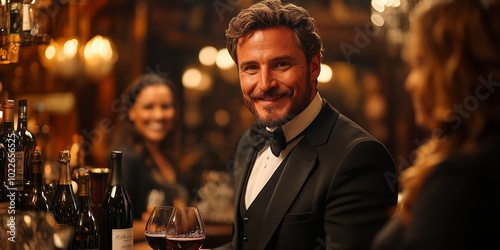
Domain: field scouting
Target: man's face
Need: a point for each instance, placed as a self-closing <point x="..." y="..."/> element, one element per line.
<point x="276" y="81"/>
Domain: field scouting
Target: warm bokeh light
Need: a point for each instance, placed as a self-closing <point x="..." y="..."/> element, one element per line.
<point x="377" y="19"/>
<point x="383" y="2"/>
<point x="50" y="52"/>
<point x="68" y="58"/>
<point x="378" y="6"/>
<point x="98" y="48"/>
<point x="326" y="74"/>
<point x="207" y="55"/>
<point x="191" y="78"/>
<point x="222" y="117"/>
<point x="99" y="56"/>
<point x="224" y="60"/>
<point x="195" y="79"/>
<point x="70" y="48"/>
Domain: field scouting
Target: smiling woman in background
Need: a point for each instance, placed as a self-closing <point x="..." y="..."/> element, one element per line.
<point x="451" y="195"/>
<point x="148" y="136"/>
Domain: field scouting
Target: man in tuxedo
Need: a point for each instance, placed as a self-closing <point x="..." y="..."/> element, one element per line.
<point x="306" y="177"/>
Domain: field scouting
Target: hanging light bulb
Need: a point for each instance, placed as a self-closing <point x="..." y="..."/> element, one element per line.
<point x="99" y="57"/>
<point x="70" y="59"/>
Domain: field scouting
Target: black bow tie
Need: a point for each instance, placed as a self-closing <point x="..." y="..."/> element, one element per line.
<point x="259" y="135"/>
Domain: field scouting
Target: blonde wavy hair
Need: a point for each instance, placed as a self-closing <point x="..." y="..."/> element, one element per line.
<point x="460" y="43"/>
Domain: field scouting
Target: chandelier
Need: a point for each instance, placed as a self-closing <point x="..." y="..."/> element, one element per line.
<point x="391" y="17"/>
<point x="68" y="57"/>
<point x="71" y="56"/>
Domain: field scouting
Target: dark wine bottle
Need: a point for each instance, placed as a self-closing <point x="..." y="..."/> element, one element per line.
<point x="15" y="179"/>
<point x="37" y="199"/>
<point x="15" y="19"/>
<point x="77" y="162"/>
<point x="86" y="231"/>
<point x="63" y="202"/>
<point x="3" y="18"/>
<point x="117" y="216"/>
<point x="28" y="140"/>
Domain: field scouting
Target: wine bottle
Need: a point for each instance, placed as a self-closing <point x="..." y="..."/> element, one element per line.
<point x="13" y="158"/>
<point x="37" y="199"/>
<point x="26" y="17"/>
<point x="63" y="202"/>
<point x="15" y="21"/>
<point x="3" y="18"/>
<point x="77" y="162"/>
<point x="86" y="230"/>
<point x="117" y="216"/>
<point x="28" y="139"/>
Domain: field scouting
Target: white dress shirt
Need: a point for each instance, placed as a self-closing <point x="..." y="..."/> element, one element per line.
<point x="266" y="163"/>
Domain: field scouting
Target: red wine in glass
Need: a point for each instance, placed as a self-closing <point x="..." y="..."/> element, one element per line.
<point x="185" y="230"/>
<point x="157" y="240"/>
<point x="155" y="231"/>
<point x="194" y="243"/>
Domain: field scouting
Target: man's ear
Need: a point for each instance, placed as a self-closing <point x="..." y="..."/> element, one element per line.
<point x="315" y="67"/>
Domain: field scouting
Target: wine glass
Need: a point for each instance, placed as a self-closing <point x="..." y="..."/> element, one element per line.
<point x="186" y="230"/>
<point x="156" y="227"/>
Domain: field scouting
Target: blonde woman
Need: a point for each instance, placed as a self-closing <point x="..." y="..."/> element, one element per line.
<point x="451" y="196"/>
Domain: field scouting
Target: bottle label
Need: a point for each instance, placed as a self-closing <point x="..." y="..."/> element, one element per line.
<point x="122" y="239"/>
<point x="26" y="17"/>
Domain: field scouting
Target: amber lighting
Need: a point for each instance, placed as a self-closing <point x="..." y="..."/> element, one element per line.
<point x="68" y="58"/>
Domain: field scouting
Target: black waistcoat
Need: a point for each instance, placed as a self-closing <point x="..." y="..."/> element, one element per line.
<point x="252" y="218"/>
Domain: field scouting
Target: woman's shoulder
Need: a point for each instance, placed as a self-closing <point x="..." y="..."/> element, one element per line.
<point x="473" y="174"/>
<point x="458" y="202"/>
<point x="484" y="159"/>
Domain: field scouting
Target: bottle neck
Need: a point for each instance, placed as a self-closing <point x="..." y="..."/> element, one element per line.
<point x="83" y="185"/>
<point x="37" y="179"/>
<point x="84" y="203"/>
<point x="116" y="176"/>
<point x="22" y="117"/>
<point x="64" y="177"/>
<point x="37" y="175"/>
<point x="83" y="193"/>
<point x="22" y="123"/>
<point x="8" y="122"/>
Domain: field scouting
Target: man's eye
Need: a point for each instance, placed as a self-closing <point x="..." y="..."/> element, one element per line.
<point x="282" y="65"/>
<point x="251" y="68"/>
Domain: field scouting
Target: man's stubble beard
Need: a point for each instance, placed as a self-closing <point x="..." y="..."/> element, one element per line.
<point x="274" y="122"/>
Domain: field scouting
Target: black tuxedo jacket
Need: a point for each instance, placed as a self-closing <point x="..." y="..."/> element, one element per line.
<point x="335" y="192"/>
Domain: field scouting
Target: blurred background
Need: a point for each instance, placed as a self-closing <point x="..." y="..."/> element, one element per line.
<point x="73" y="82"/>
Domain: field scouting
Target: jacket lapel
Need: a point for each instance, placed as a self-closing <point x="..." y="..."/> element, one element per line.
<point x="240" y="169"/>
<point x="301" y="162"/>
<point x="294" y="175"/>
